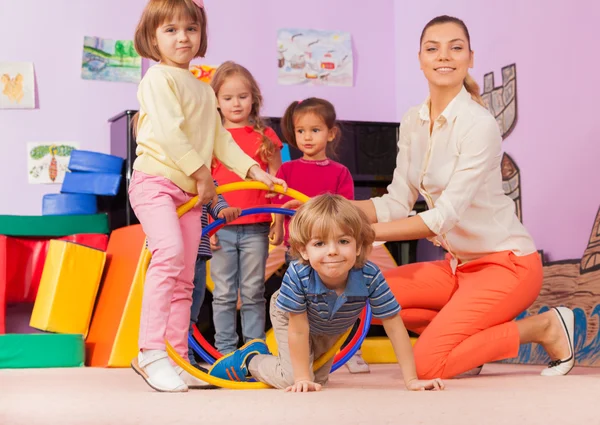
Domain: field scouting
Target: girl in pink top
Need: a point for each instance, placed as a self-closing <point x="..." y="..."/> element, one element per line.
<point x="310" y="126"/>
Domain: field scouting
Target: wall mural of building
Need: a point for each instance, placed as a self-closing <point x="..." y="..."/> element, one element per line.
<point x="573" y="283"/>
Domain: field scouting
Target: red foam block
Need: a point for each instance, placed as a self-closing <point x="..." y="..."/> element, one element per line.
<point x="24" y="260"/>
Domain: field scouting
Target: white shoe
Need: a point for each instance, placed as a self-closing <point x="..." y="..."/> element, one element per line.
<point x="191" y="381"/>
<point x="155" y="368"/>
<point x="562" y="367"/>
<point x="356" y="364"/>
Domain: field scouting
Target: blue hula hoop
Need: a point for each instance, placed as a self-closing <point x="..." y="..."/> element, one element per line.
<point x="204" y="355"/>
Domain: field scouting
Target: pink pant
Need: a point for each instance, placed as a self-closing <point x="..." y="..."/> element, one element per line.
<point x="173" y="243"/>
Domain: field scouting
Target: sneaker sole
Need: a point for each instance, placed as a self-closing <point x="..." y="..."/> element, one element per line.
<point x="136" y="367"/>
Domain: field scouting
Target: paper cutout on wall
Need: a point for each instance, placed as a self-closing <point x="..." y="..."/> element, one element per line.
<point x="314" y="57"/>
<point x="502" y="100"/>
<point x="48" y="162"/>
<point x="203" y="72"/>
<point x="110" y="60"/>
<point x="575" y="284"/>
<point x="18" y="85"/>
<point x="502" y="103"/>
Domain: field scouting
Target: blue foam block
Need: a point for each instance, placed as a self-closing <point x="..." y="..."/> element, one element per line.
<point x="69" y="204"/>
<point x="285" y="153"/>
<point x="91" y="183"/>
<point x="94" y="162"/>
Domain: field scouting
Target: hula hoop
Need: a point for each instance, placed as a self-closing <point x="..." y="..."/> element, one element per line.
<point x="201" y="373"/>
<point x="210" y="354"/>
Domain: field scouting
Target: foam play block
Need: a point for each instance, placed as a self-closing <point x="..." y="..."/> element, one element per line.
<point x="378" y="350"/>
<point x="285" y="153"/>
<point x="113" y="336"/>
<point x="68" y="288"/>
<point x="95" y="162"/>
<point x="91" y="183"/>
<point x="41" y="351"/>
<point x="24" y="260"/>
<point x="69" y="204"/>
<point x="3" y="283"/>
<point x="52" y="225"/>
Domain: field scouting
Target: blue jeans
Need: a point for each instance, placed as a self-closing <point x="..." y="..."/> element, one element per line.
<point x="197" y="297"/>
<point x="239" y="265"/>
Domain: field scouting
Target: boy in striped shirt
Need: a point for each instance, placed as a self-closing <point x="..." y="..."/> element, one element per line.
<point x="322" y="295"/>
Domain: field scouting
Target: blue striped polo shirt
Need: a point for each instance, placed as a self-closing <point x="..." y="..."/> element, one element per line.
<point x="302" y="290"/>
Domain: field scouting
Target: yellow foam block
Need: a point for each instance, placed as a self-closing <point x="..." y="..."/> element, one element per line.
<point x="68" y="288"/>
<point x="379" y="350"/>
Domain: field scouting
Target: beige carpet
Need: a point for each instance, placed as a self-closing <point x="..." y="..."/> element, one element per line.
<point x="502" y="394"/>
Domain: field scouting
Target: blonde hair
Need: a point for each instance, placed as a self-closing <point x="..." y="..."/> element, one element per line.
<point x="469" y="83"/>
<point x="321" y="216"/>
<point x="156" y="13"/>
<point x="229" y="69"/>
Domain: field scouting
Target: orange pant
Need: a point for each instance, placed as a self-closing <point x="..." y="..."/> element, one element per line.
<point x="465" y="320"/>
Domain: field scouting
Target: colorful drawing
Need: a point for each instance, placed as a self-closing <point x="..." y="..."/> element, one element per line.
<point x="203" y="72"/>
<point x="110" y="60"/>
<point x="47" y="163"/>
<point x="314" y="57"/>
<point x="18" y="86"/>
<point x="575" y="284"/>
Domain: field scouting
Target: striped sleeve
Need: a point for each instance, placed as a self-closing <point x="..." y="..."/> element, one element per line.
<point x="221" y="204"/>
<point x="382" y="300"/>
<point x="291" y="297"/>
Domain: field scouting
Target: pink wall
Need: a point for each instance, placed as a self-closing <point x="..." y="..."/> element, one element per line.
<point x="50" y="34"/>
<point x="553" y="142"/>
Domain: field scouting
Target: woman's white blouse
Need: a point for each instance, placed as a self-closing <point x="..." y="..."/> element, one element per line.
<point x="457" y="171"/>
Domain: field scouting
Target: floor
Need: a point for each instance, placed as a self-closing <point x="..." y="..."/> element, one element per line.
<point x="502" y="394"/>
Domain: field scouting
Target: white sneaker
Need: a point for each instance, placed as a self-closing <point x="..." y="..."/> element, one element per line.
<point x="562" y="367"/>
<point x="356" y="364"/>
<point x="155" y="368"/>
<point x="191" y="381"/>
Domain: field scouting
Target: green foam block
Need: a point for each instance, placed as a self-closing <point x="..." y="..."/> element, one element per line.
<point x="53" y="225"/>
<point x="23" y="351"/>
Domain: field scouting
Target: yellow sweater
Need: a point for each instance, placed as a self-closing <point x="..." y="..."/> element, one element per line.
<point x="179" y="128"/>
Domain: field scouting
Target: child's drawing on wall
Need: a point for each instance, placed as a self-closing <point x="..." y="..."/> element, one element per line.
<point x="48" y="162"/>
<point x="314" y="57"/>
<point x="17" y="85"/>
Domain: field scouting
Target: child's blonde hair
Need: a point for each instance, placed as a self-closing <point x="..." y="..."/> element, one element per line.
<point x="156" y="13"/>
<point x="324" y="214"/>
<point x="228" y="69"/>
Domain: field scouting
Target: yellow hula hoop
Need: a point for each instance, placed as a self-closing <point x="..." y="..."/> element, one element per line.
<point x="223" y="383"/>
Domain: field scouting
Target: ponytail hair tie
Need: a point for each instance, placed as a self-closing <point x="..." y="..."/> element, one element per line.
<point x="199" y="3"/>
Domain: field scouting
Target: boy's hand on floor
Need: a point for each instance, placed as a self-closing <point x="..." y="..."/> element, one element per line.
<point x="303" y="387"/>
<point x="421" y="385"/>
